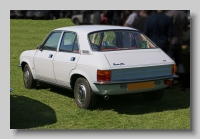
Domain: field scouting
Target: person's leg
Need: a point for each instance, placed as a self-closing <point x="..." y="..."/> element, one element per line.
<point x="180" y="66"/>
<point x="84" y="17"/>
<point x="171" y="54"/>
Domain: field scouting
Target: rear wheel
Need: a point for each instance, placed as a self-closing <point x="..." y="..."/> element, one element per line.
<point x="84" y="96"/>
<point x="154" y="95"/>
<point x="29" y="82"/>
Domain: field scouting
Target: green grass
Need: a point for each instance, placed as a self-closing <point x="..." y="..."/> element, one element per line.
<point x="50" y="107"/>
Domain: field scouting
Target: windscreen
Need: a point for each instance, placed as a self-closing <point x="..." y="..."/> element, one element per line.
<point x="119" y="40"/>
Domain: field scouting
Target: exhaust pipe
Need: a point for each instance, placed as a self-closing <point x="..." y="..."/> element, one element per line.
<point x="106" y="97"/>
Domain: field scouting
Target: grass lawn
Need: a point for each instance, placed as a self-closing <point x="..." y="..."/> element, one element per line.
<point x="50" y="107"/>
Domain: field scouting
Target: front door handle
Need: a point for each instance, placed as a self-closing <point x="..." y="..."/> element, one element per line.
<point x="50" y="55"/>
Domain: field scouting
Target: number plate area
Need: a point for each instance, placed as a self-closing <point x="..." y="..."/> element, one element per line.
<point x="141" y="85"/>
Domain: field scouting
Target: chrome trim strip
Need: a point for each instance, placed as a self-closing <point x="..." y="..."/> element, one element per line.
<point x="138" y="80"/>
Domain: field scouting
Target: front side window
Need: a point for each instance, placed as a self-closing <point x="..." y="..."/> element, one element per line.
<point x="119" y="40"/>
<point x="69" y="42"/>
<point x="52" y="42"/>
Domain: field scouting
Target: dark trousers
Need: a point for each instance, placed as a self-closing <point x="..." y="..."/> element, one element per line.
<point x="174" y="52"/>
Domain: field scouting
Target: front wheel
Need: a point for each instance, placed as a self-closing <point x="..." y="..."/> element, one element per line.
<point x="84" y="96"/>
<point x="76" y="21"/>
<point x="154" y="95"/>
<point x="29" y="82"/>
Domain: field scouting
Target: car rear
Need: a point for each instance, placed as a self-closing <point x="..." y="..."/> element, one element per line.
<point x="136" y="63"/>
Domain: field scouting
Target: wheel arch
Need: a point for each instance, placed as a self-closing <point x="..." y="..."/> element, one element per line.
<point x="76" y="21"/>
<point x="88" y="74"/>
<point x="23" y="63"/>
<point x="73" y="79"/>
<point x="75" y="74"/>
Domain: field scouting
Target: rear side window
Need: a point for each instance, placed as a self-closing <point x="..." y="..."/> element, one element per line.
<point x="69" y="43"/>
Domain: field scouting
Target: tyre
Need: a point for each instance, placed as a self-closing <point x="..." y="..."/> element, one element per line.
<point x="76" y="21"/>
<point x="29" y="82"/>
<point x="83" y="94"/>
<point x="154" y="95"/>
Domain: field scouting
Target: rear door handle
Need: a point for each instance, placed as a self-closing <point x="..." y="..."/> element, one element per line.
<point x="72" y="58"/>
<point x="50" y="55"/>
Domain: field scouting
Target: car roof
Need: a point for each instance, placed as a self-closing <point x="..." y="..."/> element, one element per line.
<point x="92" y="28"/>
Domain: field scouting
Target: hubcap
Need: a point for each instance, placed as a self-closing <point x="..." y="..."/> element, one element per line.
<point x="81" y="93"/>
<point x="26" y="77"/>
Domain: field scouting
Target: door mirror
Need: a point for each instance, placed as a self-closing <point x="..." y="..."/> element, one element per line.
<point x="39" y="47"/>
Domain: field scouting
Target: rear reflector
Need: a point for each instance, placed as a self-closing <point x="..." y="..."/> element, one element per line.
<point x="173" y="69"/>
<point x="103" y="75"/>
<point x="168" y="82"/>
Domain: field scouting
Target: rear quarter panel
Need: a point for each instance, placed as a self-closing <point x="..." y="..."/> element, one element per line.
<point x="88" y="65"/>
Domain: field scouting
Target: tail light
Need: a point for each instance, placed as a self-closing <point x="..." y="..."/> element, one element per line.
<point x="103" y="75"/>
<point x="168" y="82"/>
<point x="173" y="69"/>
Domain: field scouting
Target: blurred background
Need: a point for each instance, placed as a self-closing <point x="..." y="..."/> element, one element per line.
<point x="135" y="19"/>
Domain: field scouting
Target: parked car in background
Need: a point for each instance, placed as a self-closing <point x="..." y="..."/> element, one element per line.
<point x="97" y="60"/>
<point x="43" y="14"/>
<point x="12" y="15"/>
<point x="78" y="17"/>
<point x="39" y="14"/>
<point x="30" y="14"/>
<point x="17" y="14"/>
<point x="65" y="14"/>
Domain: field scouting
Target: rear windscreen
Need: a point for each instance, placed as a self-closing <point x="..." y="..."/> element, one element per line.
<point x="119" y="40"/>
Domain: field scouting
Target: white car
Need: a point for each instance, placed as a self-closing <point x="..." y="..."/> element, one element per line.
<point x="77" y="19"/>
<point x="95" y="60"/>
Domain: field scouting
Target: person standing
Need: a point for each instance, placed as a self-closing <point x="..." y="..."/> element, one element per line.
<point x="110" y="15"/>
<point x="180" y="24"/>
<point x="96" y="18"/>
<point x="85" y="16"/>
<point x="139" y="22"/>
<point x="130" y="19"/>
<point x="158" y="28"/>
<point x="104" y="19"/>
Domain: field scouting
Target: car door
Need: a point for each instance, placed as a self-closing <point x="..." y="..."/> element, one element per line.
<point x="43" y="59"/>
<point x="66" y="58"/>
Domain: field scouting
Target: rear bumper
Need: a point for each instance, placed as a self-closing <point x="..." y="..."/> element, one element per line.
<point x="120" y="87"/>
<point x="137" y="80"/>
